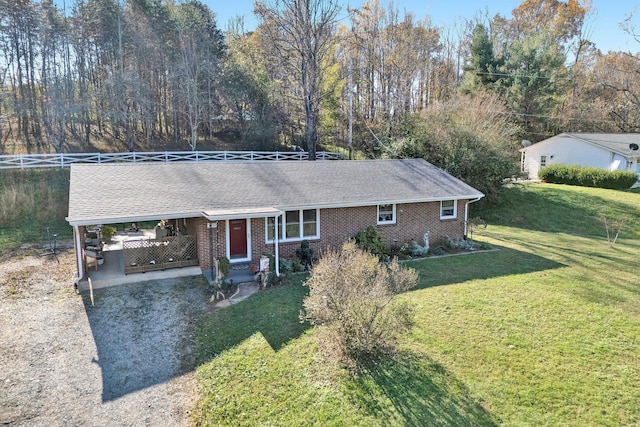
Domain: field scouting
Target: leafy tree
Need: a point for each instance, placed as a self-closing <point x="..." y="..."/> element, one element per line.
<point x="562" y="19"/>
<point x="535" y="68"/>
<point x="471" y="138"/>
<point x="618" y="92"/>
<point x="247" y="92"/>
<point x="352" y="299"/>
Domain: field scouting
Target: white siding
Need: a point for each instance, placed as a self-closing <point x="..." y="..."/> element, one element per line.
<point x="568" y="151"/>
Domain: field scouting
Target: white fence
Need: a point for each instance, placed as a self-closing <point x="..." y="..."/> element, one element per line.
<point x="25" y="161"/>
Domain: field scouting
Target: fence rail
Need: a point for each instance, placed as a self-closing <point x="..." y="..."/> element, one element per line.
<point x="26" y="161"/>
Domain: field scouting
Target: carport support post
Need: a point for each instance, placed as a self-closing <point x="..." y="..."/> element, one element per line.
<point x="276" y="244"/>
<point x="214" y="270"/>
<point x="79" y="256"/>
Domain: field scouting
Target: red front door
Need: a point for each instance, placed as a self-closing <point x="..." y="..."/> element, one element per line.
<point x="237" y="238"/>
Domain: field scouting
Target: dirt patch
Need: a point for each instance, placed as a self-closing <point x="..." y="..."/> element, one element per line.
<point x="125" y="361"/>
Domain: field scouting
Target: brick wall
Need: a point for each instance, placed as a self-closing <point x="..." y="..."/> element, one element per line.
<point x="413" y="220"/>
<point x="208" y="240"/>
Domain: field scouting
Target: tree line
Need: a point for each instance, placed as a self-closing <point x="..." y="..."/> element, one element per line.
<point x="152" y="74"/>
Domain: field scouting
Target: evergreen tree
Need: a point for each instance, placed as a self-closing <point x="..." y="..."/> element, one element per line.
<point x="483" y="70"/>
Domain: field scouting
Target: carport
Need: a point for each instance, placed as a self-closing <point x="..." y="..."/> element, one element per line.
<point x="156" y="232"/>
<point x="127" y="257"/>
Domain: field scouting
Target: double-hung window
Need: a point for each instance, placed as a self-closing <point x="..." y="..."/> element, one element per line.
<point x="387" y="214"/>
<point x="298" y="224"/>
<point x="310" y="223"/>
<point x="448" y="209"/>
<point x="271" y="229"/>
<point x="292" y="225"/>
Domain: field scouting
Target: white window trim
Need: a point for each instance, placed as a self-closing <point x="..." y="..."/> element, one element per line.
<point x="393" y="214"/>
<point x="455" y="209"/>
<point x="281" y="228"/>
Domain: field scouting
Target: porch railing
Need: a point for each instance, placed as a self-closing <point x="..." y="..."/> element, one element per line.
<point x="61" y="160"/>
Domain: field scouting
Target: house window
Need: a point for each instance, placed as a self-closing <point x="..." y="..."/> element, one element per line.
<point x="386" y="214"/>
<point x="543" y="161"/>
<point x="271" y="230"/>
<point x="298" y="225"/>
<point x="447" y="209"/>
<point x="292" y="225"/>
<point x="310" y="223"/>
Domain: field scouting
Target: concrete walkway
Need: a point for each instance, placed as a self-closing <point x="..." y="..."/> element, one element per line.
<point x="245" y="290"/>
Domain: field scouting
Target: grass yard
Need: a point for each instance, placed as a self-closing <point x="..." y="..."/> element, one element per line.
<point x="30" y="201"/>
<point x="543" y="331"/>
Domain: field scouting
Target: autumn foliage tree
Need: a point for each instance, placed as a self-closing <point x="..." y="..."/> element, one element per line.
<point x="353" y="301"/>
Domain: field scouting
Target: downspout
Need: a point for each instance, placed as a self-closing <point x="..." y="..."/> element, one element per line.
<point x="79" y="256"/>
<point x="276" y="244"/>
<point x="466" y="215"/>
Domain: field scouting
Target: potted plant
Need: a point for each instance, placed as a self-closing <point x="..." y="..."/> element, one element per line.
<point x="108" y="232"/>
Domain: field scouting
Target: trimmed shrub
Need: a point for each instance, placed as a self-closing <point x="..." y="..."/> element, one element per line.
<point x="588" y="177"/>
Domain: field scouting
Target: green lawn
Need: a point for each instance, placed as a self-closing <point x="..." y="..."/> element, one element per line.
<point x="543" y="331"/>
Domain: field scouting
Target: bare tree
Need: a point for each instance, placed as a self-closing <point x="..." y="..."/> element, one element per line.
<point x="200" y="45"/>
<point x="301" y="33"/>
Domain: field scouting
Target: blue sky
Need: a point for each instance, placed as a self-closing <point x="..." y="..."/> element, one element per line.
<point x="603" y="25"/>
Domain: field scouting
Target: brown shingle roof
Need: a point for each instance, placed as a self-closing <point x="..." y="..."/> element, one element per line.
<point x="135" y="192"/>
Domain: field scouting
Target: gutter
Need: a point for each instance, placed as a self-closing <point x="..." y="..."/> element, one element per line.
<point x="466" y="215"/>
<point x="136" y="218"/>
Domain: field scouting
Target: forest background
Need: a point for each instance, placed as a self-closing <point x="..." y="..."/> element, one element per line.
<point x="155" y="75"/>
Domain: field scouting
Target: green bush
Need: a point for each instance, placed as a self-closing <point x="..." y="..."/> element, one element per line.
<point x="305" y="254"/>
<point x="415" y="250"/>
<point x="286" y="266"/>
<point x="588" y="177"/>
<point x="224" y="265"/>
<point x="297" y="266"/>
<point x="371" y="241"/>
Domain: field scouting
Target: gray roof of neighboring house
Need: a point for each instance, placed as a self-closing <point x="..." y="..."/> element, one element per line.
<point x="615" y="142"/>
<point x="136" y="192"/>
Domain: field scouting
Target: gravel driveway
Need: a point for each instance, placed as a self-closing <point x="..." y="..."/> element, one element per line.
<point x="125" y="361"/>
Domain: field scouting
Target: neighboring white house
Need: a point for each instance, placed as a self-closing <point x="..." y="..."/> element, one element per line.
<point x="611" y="151"/>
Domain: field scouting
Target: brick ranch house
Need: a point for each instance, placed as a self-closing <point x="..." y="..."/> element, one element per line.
<point x="243" y="210"/>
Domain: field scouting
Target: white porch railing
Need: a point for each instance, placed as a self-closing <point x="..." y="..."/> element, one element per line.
<point x="25" y="161"/>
